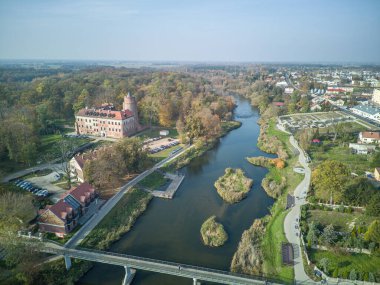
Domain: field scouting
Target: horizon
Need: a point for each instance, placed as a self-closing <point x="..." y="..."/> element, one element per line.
<point x="292" y="31"/>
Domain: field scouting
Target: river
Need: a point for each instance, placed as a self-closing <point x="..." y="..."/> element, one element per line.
<point x="170" y="229"/>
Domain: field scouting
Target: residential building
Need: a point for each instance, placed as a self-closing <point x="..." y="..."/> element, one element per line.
<point x="62" y="217"/>
<point x="377" y="173"/>
<point x="105" y="121"/>
<point x="282" y="84"/>
<point x="362" y="148"/>
<point x="376" y="96"/>
<point x="77" y="165"/>
<point x="369" y="137"/>
<point x="288" y="90"/>
<point x="369" y="112"/>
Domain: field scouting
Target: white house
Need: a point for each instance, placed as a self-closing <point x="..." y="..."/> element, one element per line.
<point x="369" y="137"/>
<point x="376" y="96"/>
<point x="289" y="90"/>
<point x="362" y="148"/>
<point x="282" y="84"/>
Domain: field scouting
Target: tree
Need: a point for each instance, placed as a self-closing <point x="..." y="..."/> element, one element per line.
<point x="312" y="234"/>
<point x="66" y="151"/>
<point x="353" y="275"/>
<point x="329" y="180"/>
<point x="329" y="234"/>
<point x="373" y="207"/>
<point x="82" y="100"/>
<point x="373" y="232"/>
<point x="324" y="263"/>
<point x="371" y="277"/>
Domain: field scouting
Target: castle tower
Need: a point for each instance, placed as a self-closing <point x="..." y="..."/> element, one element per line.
<point x="131" y="105"/>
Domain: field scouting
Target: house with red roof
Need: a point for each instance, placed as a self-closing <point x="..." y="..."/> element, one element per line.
<point x="62" y="217"/>
<point x="77" y="164"/>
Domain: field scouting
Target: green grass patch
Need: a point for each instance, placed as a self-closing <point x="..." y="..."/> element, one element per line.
<point x="49" y="147"/>
<point x="271" y="244"/>
<point x="153" y="181"/>
<point x="345" y="262"/>
<point x="357" y="163"/>
<point x="119" y="220"/>
<point x="340" y="221"/>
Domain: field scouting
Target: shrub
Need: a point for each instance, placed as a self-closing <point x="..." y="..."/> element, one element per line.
<point x="213" y="233"/>
<point x="233" y="186"/>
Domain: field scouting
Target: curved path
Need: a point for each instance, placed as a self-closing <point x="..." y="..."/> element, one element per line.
<point x="292" y="234"/>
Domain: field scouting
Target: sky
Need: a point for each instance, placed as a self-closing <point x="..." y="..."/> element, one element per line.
<point x="192" y="30"/>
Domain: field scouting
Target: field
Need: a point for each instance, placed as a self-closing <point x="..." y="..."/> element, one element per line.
<point x="340" y="221"/>
<point x="153" y="181"/>
<point x="345" y="262"/>
<point x="357" y="163"/>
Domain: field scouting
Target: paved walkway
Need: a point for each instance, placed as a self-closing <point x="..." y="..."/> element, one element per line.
<point x="292" y="234"/>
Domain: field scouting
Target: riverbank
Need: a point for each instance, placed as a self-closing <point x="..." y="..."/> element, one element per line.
<point x="268" y="232"/>
<point x="119" y="220"/>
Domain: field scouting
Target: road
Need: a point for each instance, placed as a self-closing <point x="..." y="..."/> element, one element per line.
<point x="183" y="270"/>
<point x="97" y="217"/>
<point x="292" y="234"/>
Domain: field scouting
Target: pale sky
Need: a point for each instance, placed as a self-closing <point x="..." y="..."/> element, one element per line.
<point x="192" y="30"/>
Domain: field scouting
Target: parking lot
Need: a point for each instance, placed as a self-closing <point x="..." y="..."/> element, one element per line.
<point x="158" y="144"/>
<point x="295" y="122"/>
<point x="42" y="186"/>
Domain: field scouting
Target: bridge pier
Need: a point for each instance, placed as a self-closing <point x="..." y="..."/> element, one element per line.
<point x="129" y="274"/>
<point x="195" y="281"/>
<point x="67" y="261"/>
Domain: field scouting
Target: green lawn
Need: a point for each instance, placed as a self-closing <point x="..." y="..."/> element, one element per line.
<point x="153" y="181"/>
<point x="340" y="221"/>
<point x="271" y="246"/>
<point x="356" y="162"/>
<point x="345" y="262"/>
<point x="49" y="147"/>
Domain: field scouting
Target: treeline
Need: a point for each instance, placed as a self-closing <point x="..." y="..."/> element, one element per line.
<point x="332" y="181"/>
<point x="30" y="109"/>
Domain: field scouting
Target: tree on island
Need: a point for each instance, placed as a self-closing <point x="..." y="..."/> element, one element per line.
<point x="213" y="233"/>
<point x="233" y="186"/>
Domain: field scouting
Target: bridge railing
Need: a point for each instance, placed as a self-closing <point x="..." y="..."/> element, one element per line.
<point x="176" y="265"/>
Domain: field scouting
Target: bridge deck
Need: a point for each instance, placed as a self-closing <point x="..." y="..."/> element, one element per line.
<point x="158" y="266"/>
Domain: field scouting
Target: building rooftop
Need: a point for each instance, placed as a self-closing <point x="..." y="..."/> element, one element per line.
<point x="367" y="109"/>
<point x="106" y="114"/>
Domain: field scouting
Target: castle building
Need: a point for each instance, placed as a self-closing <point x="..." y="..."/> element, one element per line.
<point x="105" y="121"/>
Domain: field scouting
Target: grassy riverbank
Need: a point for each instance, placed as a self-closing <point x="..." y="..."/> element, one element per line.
<point x="267" y="234"/>
<point x="233" y="186"/>
<point x="213" y="233"/>
<point x="119" y="220"/>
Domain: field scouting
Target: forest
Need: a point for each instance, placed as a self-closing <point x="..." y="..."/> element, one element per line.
<point x="35" y="103"/>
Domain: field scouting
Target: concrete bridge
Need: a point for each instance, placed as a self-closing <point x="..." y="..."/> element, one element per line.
<point x="131" y="263"/>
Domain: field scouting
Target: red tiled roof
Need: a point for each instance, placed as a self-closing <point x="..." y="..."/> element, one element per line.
<point x="82" y="158"/>
<point x="82" y="192"/>
<point x="371" y="135"/>
<point x="279" y="104"/>
<point x="105" y="114"/>
<point x="61" y="209"/>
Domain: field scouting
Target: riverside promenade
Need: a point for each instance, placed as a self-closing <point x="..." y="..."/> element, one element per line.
<point x="172" y="188"/>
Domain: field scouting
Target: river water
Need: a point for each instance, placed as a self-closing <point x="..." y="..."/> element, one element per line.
<point x="170" y="229"/>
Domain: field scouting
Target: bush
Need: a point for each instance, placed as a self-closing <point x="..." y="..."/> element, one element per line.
<point x="213" y="233"/>
<point x="233" y="186"/>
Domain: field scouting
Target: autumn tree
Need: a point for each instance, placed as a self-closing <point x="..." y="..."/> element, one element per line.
<point x="329" y="180"/>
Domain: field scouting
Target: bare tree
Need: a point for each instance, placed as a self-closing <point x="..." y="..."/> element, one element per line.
<point x="66" y="152"/>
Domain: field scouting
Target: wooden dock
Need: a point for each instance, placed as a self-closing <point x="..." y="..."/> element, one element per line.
<point x="172" y="188"/>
